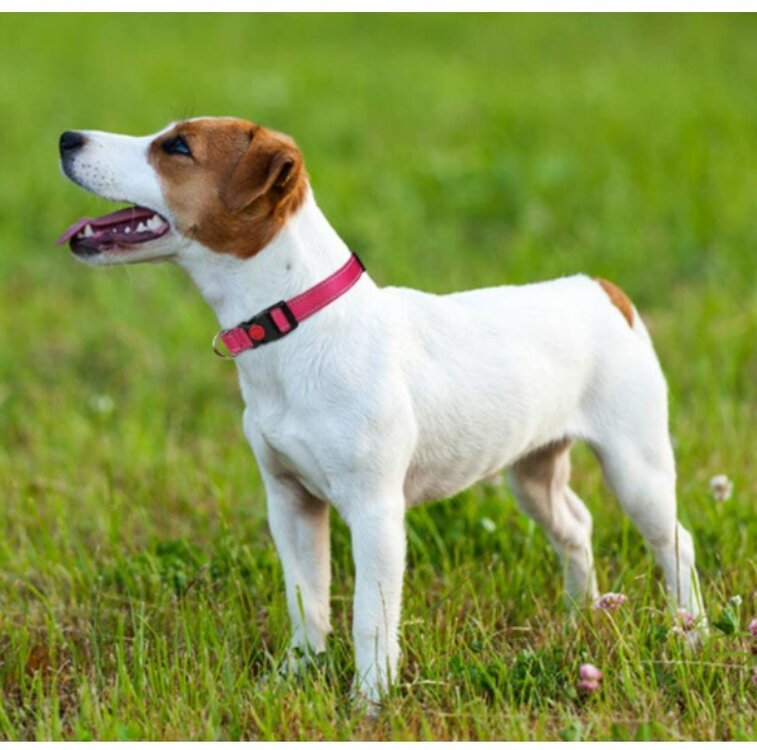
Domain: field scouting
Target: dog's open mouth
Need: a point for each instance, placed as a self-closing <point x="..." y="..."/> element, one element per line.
<point x="120" y="230"/>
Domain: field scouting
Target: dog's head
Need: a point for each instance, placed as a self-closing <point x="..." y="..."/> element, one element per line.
<point x="225" y="183"/>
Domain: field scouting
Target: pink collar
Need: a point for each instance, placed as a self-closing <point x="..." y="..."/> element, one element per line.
<point x="282" y="318"/>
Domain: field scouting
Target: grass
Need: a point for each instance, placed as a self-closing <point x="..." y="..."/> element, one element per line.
<point x="140" y="594"/>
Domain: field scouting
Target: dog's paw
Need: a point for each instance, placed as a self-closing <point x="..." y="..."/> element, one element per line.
<point x="367" y="704"/>
<point x="270" y="680"/>
<point x="692" y="630"/>
<point x="696" y="637"/>
<point x="294" y="664"/>
<point x="294" y="667"/>
<point x="298" y="661"/>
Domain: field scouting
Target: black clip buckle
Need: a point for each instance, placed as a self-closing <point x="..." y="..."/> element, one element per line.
<point x="266" y="322"/>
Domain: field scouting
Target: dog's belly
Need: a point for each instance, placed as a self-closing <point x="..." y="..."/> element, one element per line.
<point x="458" y="443"/>
<point x="456" y="456"/>
<point x="427" y="482"/>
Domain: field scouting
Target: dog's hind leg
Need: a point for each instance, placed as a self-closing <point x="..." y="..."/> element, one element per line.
<point x="629" y="419"/>
<point x="639" y="468"/>
<point x="540" y="484"/>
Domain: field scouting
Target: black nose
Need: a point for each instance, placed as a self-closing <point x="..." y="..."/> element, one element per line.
<point x="70" y="141"/>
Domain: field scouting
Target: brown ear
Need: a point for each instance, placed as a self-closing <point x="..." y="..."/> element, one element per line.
<point x="269" y="166"/>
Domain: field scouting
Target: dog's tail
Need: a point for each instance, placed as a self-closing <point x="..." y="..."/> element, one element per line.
<point x="627" y="309"/>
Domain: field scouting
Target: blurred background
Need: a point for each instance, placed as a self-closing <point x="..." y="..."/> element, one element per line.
<point x="449" y="152"/>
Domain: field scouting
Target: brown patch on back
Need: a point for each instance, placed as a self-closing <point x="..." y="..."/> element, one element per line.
<point x="237" y="189"/>
<point x="618" y="298"/>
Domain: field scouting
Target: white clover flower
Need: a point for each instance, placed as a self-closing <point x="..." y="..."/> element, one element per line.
<point x="101" y="403"/>
<point x="488" y="525"/>
<point x="721" y="487"/>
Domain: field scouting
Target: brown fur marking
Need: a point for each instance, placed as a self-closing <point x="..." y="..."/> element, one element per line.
<point x="237" y="189"/>
<point x="618" y="298"/>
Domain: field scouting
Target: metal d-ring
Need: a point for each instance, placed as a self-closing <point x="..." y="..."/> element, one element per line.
<point x="214" y="344"/>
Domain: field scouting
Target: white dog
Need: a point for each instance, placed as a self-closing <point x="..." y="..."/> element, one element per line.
<point x="385" y="397"/>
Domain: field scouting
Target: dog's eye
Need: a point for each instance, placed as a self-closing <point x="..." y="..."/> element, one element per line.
<point x="176" y="145"/>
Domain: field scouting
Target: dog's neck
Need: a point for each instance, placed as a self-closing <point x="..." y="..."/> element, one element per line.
<point x="305" y="251"/>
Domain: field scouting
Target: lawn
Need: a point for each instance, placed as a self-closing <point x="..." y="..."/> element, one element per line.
<point x="140" y="594"/>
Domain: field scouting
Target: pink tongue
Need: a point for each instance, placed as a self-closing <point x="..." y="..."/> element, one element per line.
<point x="134" y="213"/>
<point x="73" y="230"/>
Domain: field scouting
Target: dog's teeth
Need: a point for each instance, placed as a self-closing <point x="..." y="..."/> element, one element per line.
<point x="155" y="223"/>
<point x="127" y="230"/>
<point x="88" y="231"/>
<point x="141" y="227"/>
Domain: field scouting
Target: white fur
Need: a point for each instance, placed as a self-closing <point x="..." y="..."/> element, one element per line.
<point x="390" y="397"/>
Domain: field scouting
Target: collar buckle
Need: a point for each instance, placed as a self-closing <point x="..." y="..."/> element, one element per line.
<point x="276" y="321"/>
<point x="268" y="325"/>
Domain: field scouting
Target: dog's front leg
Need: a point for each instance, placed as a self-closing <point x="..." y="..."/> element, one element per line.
<point x="299" y="524"/>
<point x="378" y="549"/>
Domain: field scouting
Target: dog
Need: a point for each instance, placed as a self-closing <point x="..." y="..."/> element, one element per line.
<point x="375" y="399"/>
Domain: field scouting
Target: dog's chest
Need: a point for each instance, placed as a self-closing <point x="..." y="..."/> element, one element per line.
<point x="283" y="435"/>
